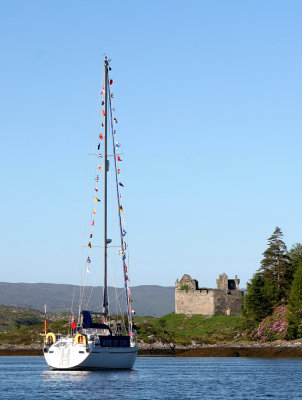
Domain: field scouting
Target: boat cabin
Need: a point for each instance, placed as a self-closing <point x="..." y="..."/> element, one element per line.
<point x="101" y="333"/>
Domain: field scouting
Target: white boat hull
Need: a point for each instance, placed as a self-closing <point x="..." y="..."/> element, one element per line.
<point x="78" y="357"/>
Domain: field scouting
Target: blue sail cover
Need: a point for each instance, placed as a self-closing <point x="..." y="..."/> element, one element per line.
<point x="87" y="321"/>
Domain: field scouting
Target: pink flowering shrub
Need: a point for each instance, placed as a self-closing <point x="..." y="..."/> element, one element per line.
<point x="273" y="327"/>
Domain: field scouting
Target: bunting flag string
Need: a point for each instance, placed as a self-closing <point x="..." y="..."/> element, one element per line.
<point x="116" y="144"/>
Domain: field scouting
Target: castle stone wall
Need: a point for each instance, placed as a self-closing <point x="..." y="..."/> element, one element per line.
<point x="190" y="299"/>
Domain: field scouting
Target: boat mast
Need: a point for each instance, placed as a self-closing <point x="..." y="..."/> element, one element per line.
<point x="106" y="168"/>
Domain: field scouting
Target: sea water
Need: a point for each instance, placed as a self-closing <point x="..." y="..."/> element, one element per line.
<point x="155" y="378"/>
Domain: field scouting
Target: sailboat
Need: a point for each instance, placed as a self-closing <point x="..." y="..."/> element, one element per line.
<point x="91" y="343"/>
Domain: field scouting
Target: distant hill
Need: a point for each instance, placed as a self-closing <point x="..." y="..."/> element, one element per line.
<point x="147" y="299"/>
<point x="12" y="318"/>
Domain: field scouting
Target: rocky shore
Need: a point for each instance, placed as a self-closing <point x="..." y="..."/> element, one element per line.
<point x="277" y="349"/>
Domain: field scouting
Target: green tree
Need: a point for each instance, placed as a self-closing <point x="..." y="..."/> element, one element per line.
<point x="295" y="306"/>
<point x="275" y="265"/>
<point x="295" y="256"/>
<point x="295" y="297"/>
<point x="262" y="295"/>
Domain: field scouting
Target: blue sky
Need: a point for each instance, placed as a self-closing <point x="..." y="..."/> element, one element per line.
<point x="208" y="98"/>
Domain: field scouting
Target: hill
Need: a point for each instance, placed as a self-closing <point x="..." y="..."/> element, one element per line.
<point x="184" y="329"/>
<point x="147" y="299"/>
<point x="15" y="318"/>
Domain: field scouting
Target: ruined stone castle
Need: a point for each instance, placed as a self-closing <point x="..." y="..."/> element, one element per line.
<point x="190" y="299"/>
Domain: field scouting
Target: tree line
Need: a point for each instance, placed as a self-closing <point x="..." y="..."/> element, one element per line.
<point x="277" y="281"/>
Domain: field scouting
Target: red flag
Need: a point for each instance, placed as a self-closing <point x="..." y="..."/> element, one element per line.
<point x="118" y="170"/>
<point x="111" y="81"/>
<point x="103" y="112"/>
<point x="119" y="158"/>
<point x="101" y="136"/>
<point x="92" y="223"/>
<point x="103" y="91"/>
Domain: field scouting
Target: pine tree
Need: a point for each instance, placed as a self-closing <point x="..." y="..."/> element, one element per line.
<point x="275" y="265"/>
<point x="260" y="299"/>
<point x="295" y="306"/>
<point x="295" y="256"/>
<point x="295" y="297"/>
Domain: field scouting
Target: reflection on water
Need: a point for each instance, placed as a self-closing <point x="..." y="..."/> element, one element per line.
<point x="65" y="375"/>
<point x="155" y="378"/>
<point x="82" y="376"/>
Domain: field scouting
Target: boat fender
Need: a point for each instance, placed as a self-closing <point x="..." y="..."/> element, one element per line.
<point x="80" y="339"/>
<point x="50" y="338"/>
